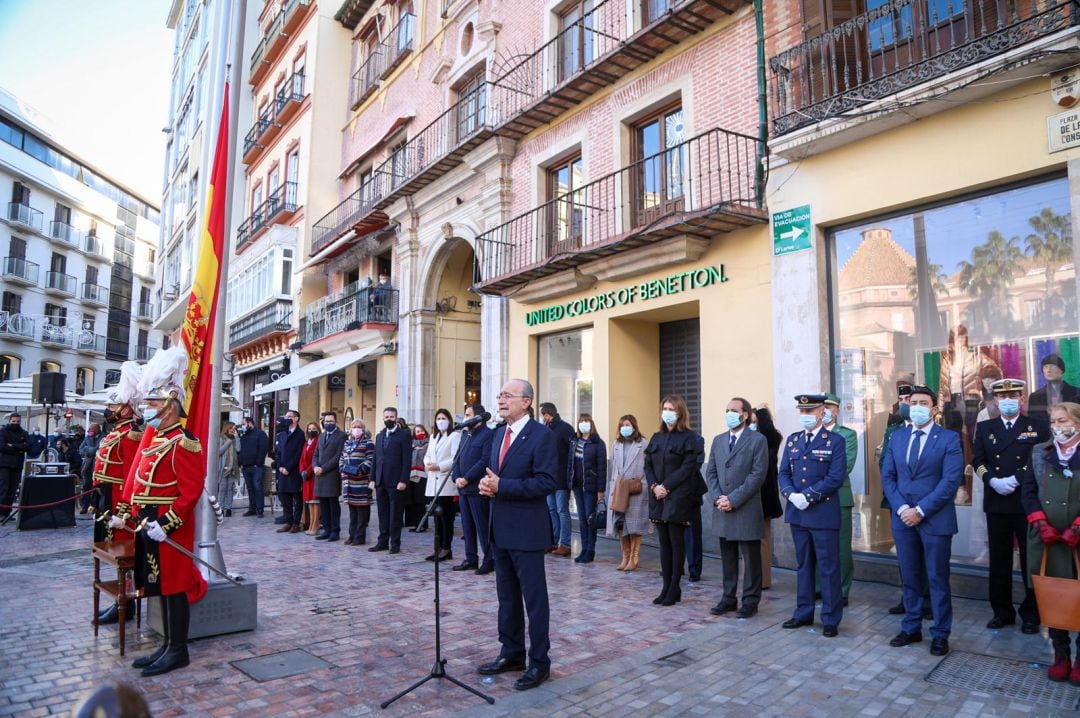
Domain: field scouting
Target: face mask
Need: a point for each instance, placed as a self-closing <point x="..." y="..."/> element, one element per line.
<point x="584" y="427"/>
<point x="420" y="436"/>
<point x="241" y="430"/>
<point x="313" y="434"/>
<point x="668" y="417"/>
<point x="150" y="417"/>
<point x="328" y="426"/>
<point x="905" y="412"/>
<point x="110" y="415"/>
<point x="442" y="424"/>
<point x="920" y="415"/>
<point x="1009" y="407"/>
<point x="828" y="417"/>
<point x="390" y="423"/>
<point x="808" y="421"/>
<point x="733" y="419"/>
<point x="626" y="431"/>
<point x="357" y="433"/>
<point x="1062" y="436"/>
<point x="753" y="427"/>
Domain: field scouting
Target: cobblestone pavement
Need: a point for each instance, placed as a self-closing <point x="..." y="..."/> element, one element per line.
<point x="370" y="616"/>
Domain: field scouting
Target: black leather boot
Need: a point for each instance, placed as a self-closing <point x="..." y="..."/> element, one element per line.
<point x="112" y="614"/>
<point x="674" y="593"/>
<point x="176" y="654"/>
<point x="150" y="659"/>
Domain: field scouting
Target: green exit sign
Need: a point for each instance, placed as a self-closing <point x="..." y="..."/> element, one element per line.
<point x="791" y="230"/>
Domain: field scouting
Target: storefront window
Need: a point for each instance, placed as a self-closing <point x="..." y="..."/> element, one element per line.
<point x="953" y="297"/>
<point x="566" y="372"/>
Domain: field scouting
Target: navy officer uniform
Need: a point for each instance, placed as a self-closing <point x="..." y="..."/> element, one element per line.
<point x="1002" y="448"/>
<point x="811" y="473"/>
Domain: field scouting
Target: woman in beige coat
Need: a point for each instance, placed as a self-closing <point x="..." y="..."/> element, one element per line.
<point x="628" y="462"/>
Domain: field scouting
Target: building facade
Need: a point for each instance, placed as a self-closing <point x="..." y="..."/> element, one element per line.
<point x="78" y="256"/>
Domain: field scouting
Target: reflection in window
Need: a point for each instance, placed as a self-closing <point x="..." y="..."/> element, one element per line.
<point x="566" y="372"/>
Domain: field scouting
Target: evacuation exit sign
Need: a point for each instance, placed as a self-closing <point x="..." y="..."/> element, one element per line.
<point x="791" y="230"/>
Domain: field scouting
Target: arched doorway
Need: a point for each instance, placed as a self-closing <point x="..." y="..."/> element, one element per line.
<point x="456" y="328"/>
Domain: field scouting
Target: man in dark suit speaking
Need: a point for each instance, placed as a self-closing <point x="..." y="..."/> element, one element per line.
<point x="520" y="475"/>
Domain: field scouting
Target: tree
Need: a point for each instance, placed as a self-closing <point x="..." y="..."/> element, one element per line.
<point x="1051" y="243"/>
<point x="938" y="279"/>
<point x="991" y="271"/>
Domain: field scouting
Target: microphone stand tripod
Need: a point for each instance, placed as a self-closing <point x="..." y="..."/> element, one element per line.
<point x="438" y="669"/>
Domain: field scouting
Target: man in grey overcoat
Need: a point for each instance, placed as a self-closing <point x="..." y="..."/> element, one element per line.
<point x="325" y="461"/>
<point x="738" y="464"/>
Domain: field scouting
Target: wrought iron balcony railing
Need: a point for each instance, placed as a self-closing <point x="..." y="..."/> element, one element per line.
<point x="64" y="233"/>
<point x="265" y="119"/>
<point x="292" y="91"/>
<point x="57" y="333"/>
<point x="25" y="215"/>
<point x="60" y="282"/>
<point x="898" y="45"/>
<point x="94" y="293"/>
<point x="705" y="185"/>
<point x="366" y="77"/>
<point x="270" y="36"/>
<point x="281" y="202"/>
<point x="20" y="270"/>
<point x="15" y="325"/>
<point x="281" y="27"/>
<point x="399" y="42"/>
<point x="272" y="318"/>
<point x="352" y="308"/>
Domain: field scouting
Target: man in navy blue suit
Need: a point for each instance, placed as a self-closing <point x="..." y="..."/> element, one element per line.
<point x="391" y="469"/>
<point x="520" y="476"/>
<point x="811" y="474"/>
<point x="920" y="474"/>
<point x="470" y="465"/>
<point x="288" y="446"/>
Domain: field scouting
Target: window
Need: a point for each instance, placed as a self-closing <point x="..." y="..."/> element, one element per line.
<point x="9" y="367"/>
<point x="17" y="248"/>
<point x="11" y="303"/>
<point x="298" y="67"/>
<point x="256" y="197"/>
<point x="48" y="366"/>
<point x="273" y="180"/>
<point x="566" y="371"/>
<point x="998" y="268"/>
<point x="143" y="337"/>
<point x="398" y="170"/>
<point x="564" y="182"/>
<point x="84" y="380"/>
<point x="56" y="314"/>
<point x="472" y="100"/>
<point x="406" y="18"/>
<point x="887" y="30"/>
<point x="292" y="177"/>
<point x="372" y="64"/>
<point x="365" y="183"/>
<point x="20" y="193"/>
<point x="286" y="271"/>
<point x="661" y="159"/>
<point x="576" y="39"/>
<point x="62" y="214"/>
<point x="91" y="275"/>
<point x="652" y="10"/>
<point x="58" y="263"/>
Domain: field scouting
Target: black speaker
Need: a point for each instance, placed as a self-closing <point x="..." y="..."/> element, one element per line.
<point x="38" y="489"/>
<point x="48" y="387"/>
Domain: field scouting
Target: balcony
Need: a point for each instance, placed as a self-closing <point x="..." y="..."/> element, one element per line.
<point x="270" y="319"/>
<point x="60" y="283"/>
<point x="25" y="215"/>
<point x="57" y="334"/>
<point x="144" y="312"/>
<point x="89" y="343"/>
<point x="145" y="270"/>
<point x="280" y="206"/>
<point x="350" y="309"/>
<point x="280" y="110"/>
<point x="398" y="43"/>
<point x="366" y="77"/>
<point x="18" y="270"/>
<point x="64" y="233"/>
<point x="898" y="46"/>
<point x="92" y="246"/>
<point x="704" y="186"/>
<point x="94" y="294"/>
<point x="252" y="147"/>
<point x="142" y="353"/>
<point x="289" y="98"/>
<point x="16" y="326"/>
<point x="284" y="24"/>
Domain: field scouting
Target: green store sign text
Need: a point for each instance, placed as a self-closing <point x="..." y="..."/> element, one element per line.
<point x="671" y="284"/>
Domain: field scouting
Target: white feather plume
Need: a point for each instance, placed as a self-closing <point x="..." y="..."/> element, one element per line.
<point x="165" y="367"/>
<point x="127" y="389"/>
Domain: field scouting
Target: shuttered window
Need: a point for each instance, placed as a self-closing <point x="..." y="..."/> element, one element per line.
<point x="680" y="364"/>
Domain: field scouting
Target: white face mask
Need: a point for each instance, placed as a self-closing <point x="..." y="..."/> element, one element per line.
<point x="1063" y="435"/>
<point x="442" y="424"/>
<point x="668" y="417"/>
<point x="584" y="427"/>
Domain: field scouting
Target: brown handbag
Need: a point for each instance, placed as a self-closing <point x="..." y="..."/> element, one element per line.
<point x="634" y="486"/>
<point x="1058" y="598"/>
<point x="620" y="499"/>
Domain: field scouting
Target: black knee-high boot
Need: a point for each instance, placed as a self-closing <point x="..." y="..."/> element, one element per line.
<point x="176" y="655"/>
<point x="678" y="558"/>
<point x="148" y="660"/>
<point x="665" y="562"/>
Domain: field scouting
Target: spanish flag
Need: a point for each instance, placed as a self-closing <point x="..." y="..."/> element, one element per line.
<point x="197" y="331"/>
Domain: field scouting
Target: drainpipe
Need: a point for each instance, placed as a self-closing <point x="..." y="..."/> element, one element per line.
<point x="763" y="116"/>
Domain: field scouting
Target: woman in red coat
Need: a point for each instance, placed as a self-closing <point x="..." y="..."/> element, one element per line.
<point x="311" y="504"/>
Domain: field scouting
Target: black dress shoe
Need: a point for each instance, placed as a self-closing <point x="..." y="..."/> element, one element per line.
<point x="333" y="537"/>
<point x="378" y="547"/>
<point x="998" y="622"/>
<point x="148" y="660"/>
<point x="844" y="601"/>
<point x="905" y="639"/>
<point x="898" y="609"/>
<point x="939" y="646"/>
<point x="501" y="665"/>
<point x="465" y="565"/>
<point x="322" y="536"/>
<point x="1029" y="628"/>
<point x="830" y="632"/>
<point x="721" y="608"/>
<point x="796" y="623"/>
<point x="532" y="678"/>
<point x="174" y="657"/>
<point x="746" y="612"/>
<point x="694" y="579"/>
<point x="250" y="513"/>
<point x="228" y="512"/>
<point x="430" y="558"/>
<point x="485" y="568"/>
<point x="395" y="549"/>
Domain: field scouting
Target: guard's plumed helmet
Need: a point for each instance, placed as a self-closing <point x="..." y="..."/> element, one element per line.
<point x="127" y="389"/>
<point x="163" y="376"/>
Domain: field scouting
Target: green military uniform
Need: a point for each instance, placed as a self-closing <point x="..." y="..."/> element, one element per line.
<point x="847" y="502"/>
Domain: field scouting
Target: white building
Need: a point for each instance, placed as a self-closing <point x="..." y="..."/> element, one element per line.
<point x="77" y="262"/>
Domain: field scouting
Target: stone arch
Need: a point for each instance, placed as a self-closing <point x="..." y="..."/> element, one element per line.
<point x="434" y="264"/>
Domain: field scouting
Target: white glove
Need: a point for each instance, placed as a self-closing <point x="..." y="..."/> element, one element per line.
<point x="115" y="522"/>
<point x="1002" y="486"/>
<point x="154" y="531"/>
<point x="799" y="501"/>
<point x="1013" y="482"/>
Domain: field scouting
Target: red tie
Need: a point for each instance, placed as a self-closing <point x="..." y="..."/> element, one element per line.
<point x="505" y="446"/>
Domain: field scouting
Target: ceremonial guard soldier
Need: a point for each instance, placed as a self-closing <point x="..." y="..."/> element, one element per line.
<point x="811" y="474"/>
<point x="162" y="493"/>
<point x="1002" y="448"/>
<point x="846" y="498"/>
<point x="115" y="456"/>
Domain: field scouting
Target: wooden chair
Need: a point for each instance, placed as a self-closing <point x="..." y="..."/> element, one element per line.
<point x="120" y="554"/>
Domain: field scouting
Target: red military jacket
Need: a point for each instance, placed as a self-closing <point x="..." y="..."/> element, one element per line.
<point x="116" y="454"/>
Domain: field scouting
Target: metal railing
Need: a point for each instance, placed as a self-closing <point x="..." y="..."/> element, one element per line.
<point x="87" y="341"/>
<point x="25" y="215"/>
<point x="60" y="282"/>
<point x="271" y="33"/>
<point x="16" y="325"/>
<point x="713" y="172"/>
<point x="57" y="334"/>
<point x="142" y="352"/>
<point x="273" y="317"/>
<point x="898" y="45"/>
<point x="19" y="268"/>
<point x="292" y="91"/>
<point x="366" y="77"/>
<point x="266" y="117"/>
<point x="92" y="245"/>
<point x="348" y="309"/>
<point x="95" y="293"/>
<point x="282" y="199"/>
<point x="399" y="41"/>
<point x="63" y="232"/>
<point x="144" y="311"/>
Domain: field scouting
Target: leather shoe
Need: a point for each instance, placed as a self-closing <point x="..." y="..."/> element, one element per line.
<point x="174" y="657"/>
<point x="322" y="536"/>
<point x="898" y="609"/>
<point x="249" y="513"/>
<point x="378" y="547"/>
<point x="334" y="537"/>
<point x="939" y="646"/>
<point x="746" y="612"/>
<point x="562" y="551"/>
<point x="465" y="565"/>
<point x="721" y="608"/>
<point x="694" y="579"/>
<point x="532" y="678"/>
<point x="395" y="549"/>
<point x="830" y="632"/>
<point x="501" y="664"/>
<point x="998" y="622"/>
<point x="348" y="542"/>
<point x="796" y="623"/>
<point x="485" y="568"/>
<point x="1029" y="628"/>
<point x="284" y="529"/>
<point x="905" y="639"/>
<point x="294" y="529"/>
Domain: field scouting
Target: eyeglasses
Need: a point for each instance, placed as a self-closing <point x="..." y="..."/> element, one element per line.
<point x="505" y="395"/>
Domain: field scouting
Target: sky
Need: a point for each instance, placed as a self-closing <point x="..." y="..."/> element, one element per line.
<point x="99" y="71"/>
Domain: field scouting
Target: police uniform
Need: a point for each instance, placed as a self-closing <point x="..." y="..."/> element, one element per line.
<point x="847" y="500"/>
<point x="112" y="464"/>
<point x="1002" y="448"/>
<point x="814" y="468"/>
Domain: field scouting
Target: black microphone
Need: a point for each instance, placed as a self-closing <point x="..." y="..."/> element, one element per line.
<point x="469" y="423"/>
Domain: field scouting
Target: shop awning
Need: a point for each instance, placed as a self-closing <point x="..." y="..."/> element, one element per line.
<point x="307" y="373"/>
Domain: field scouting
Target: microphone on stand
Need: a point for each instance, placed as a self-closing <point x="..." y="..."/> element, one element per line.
<point x="482" y="418"/>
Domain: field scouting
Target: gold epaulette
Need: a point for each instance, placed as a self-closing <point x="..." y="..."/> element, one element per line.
<point x="980" y="471"/>
<point x="191" y="444"/>
<point x="135" y="435"/>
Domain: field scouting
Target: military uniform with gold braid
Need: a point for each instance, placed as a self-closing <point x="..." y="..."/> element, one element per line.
<point x="116" y="454"/>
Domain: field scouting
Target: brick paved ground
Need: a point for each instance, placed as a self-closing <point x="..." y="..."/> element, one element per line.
<point x="369" y="615"/>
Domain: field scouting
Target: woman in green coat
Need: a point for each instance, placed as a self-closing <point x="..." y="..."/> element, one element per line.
<point x="1051" y="498"/>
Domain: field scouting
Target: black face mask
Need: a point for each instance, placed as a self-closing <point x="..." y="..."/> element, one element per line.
<point x="110" y="415"/>
<point x="390" y="423"/>
<point x="312" y="434"/>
